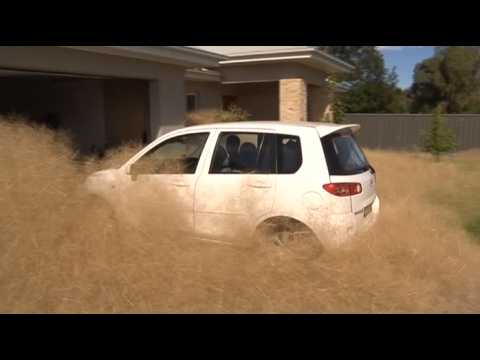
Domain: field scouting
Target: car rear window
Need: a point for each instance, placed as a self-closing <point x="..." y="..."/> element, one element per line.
<point x="289" y="154"/>
<point x="343" y="155"/>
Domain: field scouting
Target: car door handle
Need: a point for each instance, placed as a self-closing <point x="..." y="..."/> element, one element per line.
<point x="178" y="181"/>
<point x="260" y="185"/>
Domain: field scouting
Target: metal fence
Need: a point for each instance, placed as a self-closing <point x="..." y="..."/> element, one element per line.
<point x="404" y="131"/>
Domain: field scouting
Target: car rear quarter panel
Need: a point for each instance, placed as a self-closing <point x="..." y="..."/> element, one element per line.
<point x="300" y="193"/>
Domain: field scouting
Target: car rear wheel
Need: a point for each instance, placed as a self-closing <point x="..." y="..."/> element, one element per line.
<point x="291" y="238"/>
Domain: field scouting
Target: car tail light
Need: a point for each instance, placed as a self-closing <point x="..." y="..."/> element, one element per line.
<point x="343" y="189"/>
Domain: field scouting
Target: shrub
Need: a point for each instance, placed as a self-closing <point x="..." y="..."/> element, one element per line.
<point x="338" y="107"/>
<point x="233" y="114"/>
<point x="338" y="110"/>
<point x="439" y="138"/>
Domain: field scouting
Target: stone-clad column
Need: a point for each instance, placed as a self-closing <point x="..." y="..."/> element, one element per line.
<point x="293" y="100"/>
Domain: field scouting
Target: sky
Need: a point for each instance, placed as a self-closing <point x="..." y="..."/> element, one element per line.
<point x="405" y="58"/>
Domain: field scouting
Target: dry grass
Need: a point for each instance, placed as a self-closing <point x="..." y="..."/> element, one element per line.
<point x="202" y="117"/>
<point x="62" y="253"/>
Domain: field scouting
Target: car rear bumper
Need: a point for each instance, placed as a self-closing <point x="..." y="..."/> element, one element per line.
<point x="336" y="230"/>
<point x="366" y="222"/>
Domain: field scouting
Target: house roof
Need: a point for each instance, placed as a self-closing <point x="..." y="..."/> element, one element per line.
<point x="203" y="74"/>
<point x="177" y="55"/>
<point x="308" y="55"/>
<point x="246" y="50"/>
<point x="215" y="56"/>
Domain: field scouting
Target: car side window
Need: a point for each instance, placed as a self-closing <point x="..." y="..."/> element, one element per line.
<point x="244" y="153"/>
<point x="179" y="155"/>
<point x="289" y="154"/>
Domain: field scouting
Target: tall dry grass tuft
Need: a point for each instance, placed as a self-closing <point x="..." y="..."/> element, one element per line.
<point x="62" y="252"/>
<point x="202" y="117"/>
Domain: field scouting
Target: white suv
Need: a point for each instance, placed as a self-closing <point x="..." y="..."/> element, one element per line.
<point x="288" y="178"/>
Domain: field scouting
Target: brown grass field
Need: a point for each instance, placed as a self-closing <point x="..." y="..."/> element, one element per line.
<point x="62" y="253"/>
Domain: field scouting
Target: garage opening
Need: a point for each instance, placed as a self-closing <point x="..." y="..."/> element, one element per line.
<point x="99" y="113"/>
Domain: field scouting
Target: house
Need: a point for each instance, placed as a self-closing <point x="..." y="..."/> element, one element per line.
<point x="105" y="95"/>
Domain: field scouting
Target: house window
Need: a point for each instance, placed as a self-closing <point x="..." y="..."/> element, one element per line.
<point x="191" y="102"/>
<point x="228" y="101"/>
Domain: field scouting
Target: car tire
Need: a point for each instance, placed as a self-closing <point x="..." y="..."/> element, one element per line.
<point x="289" y="237"/>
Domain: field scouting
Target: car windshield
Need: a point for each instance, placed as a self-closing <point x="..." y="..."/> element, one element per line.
<point x="343" y="155"/>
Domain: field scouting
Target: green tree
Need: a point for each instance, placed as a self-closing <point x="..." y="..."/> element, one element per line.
<point x="439" y="139"/>
<point x="338" y="107"/>
<point x="368" y="62"/>
<point x="450" y="77"/>
<point x="373" y="87"/>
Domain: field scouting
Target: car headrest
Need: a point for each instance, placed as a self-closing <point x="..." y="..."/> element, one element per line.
<point x="220" y="157"/>
<point x="290" y="157"/>
<point x="248" y="155"/>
